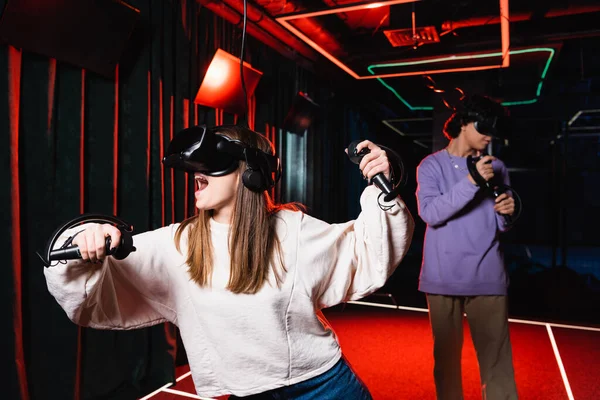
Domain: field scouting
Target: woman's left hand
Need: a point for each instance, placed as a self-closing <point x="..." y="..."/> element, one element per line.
<point x="374" y="162"/>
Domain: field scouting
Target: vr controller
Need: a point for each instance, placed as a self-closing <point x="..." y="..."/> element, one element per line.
<point x="495" y="190"/>
<point x="472" y="167"/>
<point x="388" y="189"/>
<point x="68" y="252"/>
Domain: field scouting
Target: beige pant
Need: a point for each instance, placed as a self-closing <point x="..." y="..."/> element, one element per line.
<point x="488" y="322"/>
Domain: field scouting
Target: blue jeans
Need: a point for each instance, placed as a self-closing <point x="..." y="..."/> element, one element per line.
<point x="339" y="382"/>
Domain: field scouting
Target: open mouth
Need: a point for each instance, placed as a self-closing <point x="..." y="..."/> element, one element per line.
<point x="201" y="182"/>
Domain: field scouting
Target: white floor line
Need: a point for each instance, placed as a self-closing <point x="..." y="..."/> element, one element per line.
<point x="185" y="394"/>
<point x="183" y="376"/>
<point x="365" y="303"/>
<point x="424" y="310"/>
<point x="580" y="327"/>
<point x="156" y="391"/>
<point x="517" y="321"/>
<point x="559" y="361"/>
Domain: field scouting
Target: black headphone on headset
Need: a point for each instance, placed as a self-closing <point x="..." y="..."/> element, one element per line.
<point x="263" y="170"/>
<point x="201" y="149"/>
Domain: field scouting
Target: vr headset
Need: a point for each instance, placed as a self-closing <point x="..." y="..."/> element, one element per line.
<point x="201" y="149"/>
<point x="496" y="126"/>
<point x="495" y="123"/>
<point x="486" y="126"/>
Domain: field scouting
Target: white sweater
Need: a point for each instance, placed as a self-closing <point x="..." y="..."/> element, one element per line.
<point x="236" y="343"/>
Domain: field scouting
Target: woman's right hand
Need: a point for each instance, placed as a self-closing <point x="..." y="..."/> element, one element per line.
<point x="92" y="241"/>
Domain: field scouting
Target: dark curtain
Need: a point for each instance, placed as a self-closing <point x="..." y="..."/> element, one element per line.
<point x="75" y="142"/>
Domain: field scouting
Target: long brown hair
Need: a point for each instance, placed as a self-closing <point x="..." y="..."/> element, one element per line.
<point x="254" y="247"/>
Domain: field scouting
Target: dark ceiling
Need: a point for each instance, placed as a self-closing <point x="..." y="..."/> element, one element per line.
<point x="554" y="50"/>
<point x="415" y="33"/>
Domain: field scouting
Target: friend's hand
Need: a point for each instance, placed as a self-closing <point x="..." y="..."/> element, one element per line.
<point x="91" y="241"/>
<point x="505" y="204"/>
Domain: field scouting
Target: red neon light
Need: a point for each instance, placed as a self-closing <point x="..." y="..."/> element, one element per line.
<point x="14" y="102"/>
<point x="51" y="91"/>
<point x="434" y="71"/>
<point x="82" y="146"/>
<point x="504" y="31"/>
<point x="340" y="9"/>
<point x="116" y="142"/>
<point x="171" y="123"/>
<point x="148" y="127"/>
<point x="186" y="124"/>
<point x="283" y="20"/>
<point x="161" y="139"/>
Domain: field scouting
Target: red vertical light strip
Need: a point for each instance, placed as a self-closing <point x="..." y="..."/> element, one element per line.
<point x="267" y="133"/>
<point x="274" y="147"/>
<point x="171" y="170"/>
<point x="184" y="19"/>
<point x="195" y="124"/>
<point x="252" y="112"/>
<point x="79" y="363"/>
<point x="82" y="145"/>
<point x="161" y="138"/>
<point x="51" y="85"/>
<point x="14" y="101"/>
<point x="504" y="30"/>
<point x="116" y="144"/>
<point x="149" y="130"/>
<point x="186" y="113"/>
<point x="186" y="124"/>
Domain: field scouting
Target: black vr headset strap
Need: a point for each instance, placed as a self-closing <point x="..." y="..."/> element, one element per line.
<point x="256" y="160"/>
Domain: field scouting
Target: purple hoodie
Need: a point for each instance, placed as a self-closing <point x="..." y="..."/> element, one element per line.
<point x="461" y="254"/>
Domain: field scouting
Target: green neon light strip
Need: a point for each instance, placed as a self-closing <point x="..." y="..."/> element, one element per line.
<point x="470" y="57"/>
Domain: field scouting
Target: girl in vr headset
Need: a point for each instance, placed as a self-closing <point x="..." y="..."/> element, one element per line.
<point x="245" y="279"/>
<point x="463" y="267"/>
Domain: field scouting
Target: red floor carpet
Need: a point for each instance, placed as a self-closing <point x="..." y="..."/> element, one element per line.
<point x="391" y="351"/>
